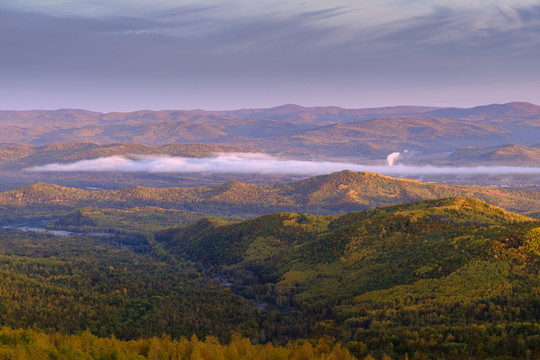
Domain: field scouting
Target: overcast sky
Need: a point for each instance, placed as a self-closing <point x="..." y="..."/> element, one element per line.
<point x="225" y="54"/>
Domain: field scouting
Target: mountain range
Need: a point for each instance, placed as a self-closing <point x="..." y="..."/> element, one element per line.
<point x="290" y="128"/>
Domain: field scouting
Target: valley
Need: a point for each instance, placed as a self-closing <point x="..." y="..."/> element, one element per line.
<point x="113" y="259"/>
<point x="418" y="278"/>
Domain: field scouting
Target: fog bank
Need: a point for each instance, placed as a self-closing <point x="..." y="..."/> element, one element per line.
<point x="255" y="163"/>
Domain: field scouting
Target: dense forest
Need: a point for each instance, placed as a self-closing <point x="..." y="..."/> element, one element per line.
<point x="415" y="278"/>
<point x="75" y="283"/>
<point x="450" y="278"/>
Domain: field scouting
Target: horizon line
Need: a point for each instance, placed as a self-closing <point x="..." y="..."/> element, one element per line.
<point x="432" y="107"/>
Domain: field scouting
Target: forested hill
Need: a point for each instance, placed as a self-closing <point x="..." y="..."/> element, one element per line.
<point x="335" y="193"/>
<point x="421" y="277"/>
<point x="449" y="278"/>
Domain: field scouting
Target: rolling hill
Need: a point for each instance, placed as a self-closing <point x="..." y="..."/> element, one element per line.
<point x="387" y="134"/>
<point x="381" y="267"/>
<point x="139" y="220"/>
<point x="328" y="194"/>
<point x="285" y="113"/>
<point x="410" y="242"/>
<point x="521" y="119"/>
<point x="502" y="155"/>
<point x="436" y="270"/>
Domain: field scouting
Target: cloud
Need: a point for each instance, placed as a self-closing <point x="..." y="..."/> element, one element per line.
<point x="250" y="163"/>
<point x="208" y="54"/>
<point x="357" y="15"/>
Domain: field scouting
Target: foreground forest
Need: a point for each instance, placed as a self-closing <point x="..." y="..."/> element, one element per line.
<point x="32" y="345"/>
<point x="450" y="278"/>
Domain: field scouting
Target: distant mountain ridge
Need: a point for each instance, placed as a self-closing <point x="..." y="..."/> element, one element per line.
<point x="288" y="112"/>
<point x="513" y="109"/>
<point x="288" y="128"/>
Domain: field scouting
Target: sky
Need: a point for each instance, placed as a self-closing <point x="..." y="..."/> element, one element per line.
<point x="127" y="55"/>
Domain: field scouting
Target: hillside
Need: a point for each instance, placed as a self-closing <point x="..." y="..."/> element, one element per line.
<point x="20" y="156"/>
<point x="521" y="119"/>
<point x="276" y="135"/>
<point x="439" y="267"/>
<point x="427" y="134"/>
<point x="401" y="234"/>
<point x="132" y="220"/>
<point x="285" y="113"/>
<point x="502" y="155"/>
<point x="335" y="193"/>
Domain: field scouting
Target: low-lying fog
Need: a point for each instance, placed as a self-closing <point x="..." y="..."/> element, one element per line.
<point x="256" y="163"/>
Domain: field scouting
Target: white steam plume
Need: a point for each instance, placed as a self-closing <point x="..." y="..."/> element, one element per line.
<point x="392" y="158"/>
<point x="247" y="163"/>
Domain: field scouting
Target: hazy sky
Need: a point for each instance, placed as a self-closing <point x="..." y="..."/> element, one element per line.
<point x="162" y="54"/>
